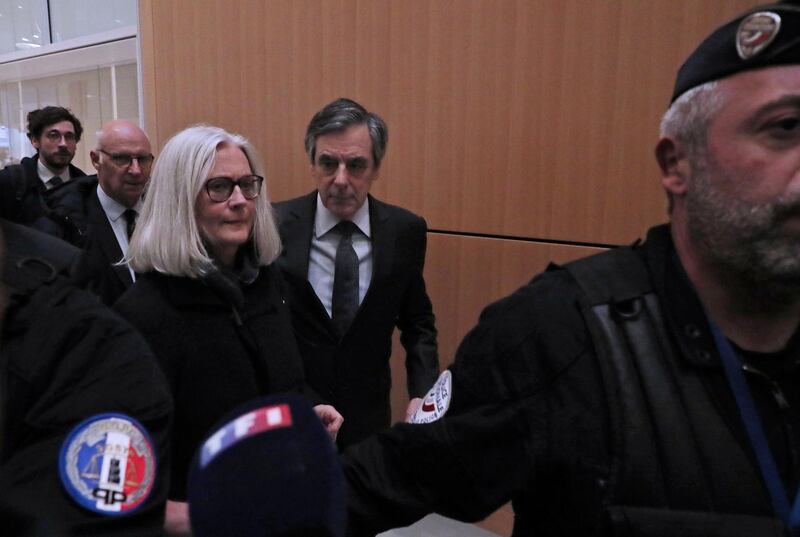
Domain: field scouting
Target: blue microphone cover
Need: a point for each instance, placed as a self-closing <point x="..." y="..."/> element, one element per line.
<point x="268" y="469"/>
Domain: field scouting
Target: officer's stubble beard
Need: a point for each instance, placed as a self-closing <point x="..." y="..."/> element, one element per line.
<point x="745" y="238"/>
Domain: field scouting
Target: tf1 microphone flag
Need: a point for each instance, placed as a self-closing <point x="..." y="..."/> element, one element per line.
<point x="268" y="469"/>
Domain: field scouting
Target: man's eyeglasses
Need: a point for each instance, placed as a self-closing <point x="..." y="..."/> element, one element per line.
<point x="221" y="188"/>
<point x="124" y="160"/>
<point x="55" y="135"/>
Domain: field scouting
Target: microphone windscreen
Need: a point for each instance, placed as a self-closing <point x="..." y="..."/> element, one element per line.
<point x="268" y="469"/>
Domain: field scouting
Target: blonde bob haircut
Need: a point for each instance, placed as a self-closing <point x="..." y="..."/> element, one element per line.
<point x="167" y="238"/>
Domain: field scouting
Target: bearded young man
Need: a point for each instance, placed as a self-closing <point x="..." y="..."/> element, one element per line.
<point x="33" y="192"/>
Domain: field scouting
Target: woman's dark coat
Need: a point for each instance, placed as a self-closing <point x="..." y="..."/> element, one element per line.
<point x="219" y="346"/>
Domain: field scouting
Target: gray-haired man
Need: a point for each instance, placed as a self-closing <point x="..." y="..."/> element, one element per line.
<point x="354" y="267"/>
<point x="648" y="391"/>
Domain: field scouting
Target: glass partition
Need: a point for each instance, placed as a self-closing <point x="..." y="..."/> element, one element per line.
<point x="80" y="54"/>
<point x="77" y="18"/>
<point x="23" y="25"/>
<point x="96" y="93"/>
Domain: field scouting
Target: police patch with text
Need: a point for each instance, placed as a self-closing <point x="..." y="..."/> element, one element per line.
<point x="107" y="464"/>
<point x="436" y="401"/>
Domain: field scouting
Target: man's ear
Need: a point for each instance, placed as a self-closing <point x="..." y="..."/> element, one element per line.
<point x="34" y="142"/>
<point x="673" y="160"/>
<point x="95" y="156"/>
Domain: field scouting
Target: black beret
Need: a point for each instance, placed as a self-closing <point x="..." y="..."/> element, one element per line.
<point x="763" y="36"/>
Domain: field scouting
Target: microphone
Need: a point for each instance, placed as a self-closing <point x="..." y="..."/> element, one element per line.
<point x="268" y="469"/>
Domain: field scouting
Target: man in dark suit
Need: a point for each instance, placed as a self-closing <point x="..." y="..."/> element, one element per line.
<point x="32" y="192"/>
<point x="354" y="268"/>
<point x="112" y="200"/>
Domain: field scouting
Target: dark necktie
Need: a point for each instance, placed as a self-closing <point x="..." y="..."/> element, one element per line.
<point x="344" y="303"/>
<point x="54" y="182"/>
<point x="130" y="221"/>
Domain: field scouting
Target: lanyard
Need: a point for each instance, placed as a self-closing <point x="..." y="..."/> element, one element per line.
<point x="755" y="432"/>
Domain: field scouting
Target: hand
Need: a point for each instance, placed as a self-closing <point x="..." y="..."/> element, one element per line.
<point x="412" y="407"/>
<point x="330" y="418"/>
<point x="176" y="522"/>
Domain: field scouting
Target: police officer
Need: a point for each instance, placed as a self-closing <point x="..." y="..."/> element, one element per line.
<point x="84" y="409"/>
<point x="651" y="390"/>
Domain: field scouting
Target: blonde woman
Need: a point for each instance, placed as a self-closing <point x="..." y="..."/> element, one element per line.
<point x="209" y="300"/>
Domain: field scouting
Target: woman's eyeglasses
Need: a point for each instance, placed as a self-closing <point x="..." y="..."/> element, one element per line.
<point x="221" y="188"/>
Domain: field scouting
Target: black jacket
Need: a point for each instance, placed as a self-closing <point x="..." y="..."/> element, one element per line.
<point x="218" y="348"/>
<point x="98" y="270"/>
<point x="73" y="213"/>
<point x="25" y="242"/>
<point x="24" y="200"/>
<point x="352" y="372"/>
<point x="530" y="420"/>
<point x="65" y="357"/>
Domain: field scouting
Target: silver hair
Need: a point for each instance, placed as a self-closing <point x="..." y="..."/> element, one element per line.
<point x="167" y="237"/>
<point x="687" y="119"/>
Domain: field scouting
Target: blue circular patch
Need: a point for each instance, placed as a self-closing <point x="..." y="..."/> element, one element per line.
<point x="107" y="464"/>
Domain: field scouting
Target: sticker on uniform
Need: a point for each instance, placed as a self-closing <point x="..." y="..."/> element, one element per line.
<point x="756" y="32"/>
<point x="436" y="402"/>
<point x="107" y="464"/>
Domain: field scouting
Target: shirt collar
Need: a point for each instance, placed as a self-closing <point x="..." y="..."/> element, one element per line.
<point x="45" y="173"/>
<point x="325" y="220"/>
<point x="112" y="207"/>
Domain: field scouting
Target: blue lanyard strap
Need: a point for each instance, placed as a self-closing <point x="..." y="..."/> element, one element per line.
<point x="755" y="432"/>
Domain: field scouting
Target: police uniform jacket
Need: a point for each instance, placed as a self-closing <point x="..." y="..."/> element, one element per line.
<point x="65" y="358"/>
<point x="219" y="343"/>
<point x="531" y="419"/>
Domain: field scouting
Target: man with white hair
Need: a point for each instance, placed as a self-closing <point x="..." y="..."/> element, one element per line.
<point x="112" y="200"/>
<point x="652" y="390"/>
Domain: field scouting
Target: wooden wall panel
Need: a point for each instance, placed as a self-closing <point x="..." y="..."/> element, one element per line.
<point x="509" y="117"/>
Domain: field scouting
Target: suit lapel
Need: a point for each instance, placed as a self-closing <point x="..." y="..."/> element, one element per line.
<point x="106" y="240"/>
<point x="297" y="232"/>
<point x="383" y="233"/>
<point x="383" y="238"/>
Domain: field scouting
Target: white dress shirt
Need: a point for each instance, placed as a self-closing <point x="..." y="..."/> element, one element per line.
<point x="322" y="256"/>
<point x="114" y="212"/>
<point x="45" y="174"/>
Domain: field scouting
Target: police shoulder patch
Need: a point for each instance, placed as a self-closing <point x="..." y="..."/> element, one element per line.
<point x="107" y="464"/>
<point x="436" y="401"/>
<point x="756" y="32"/>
